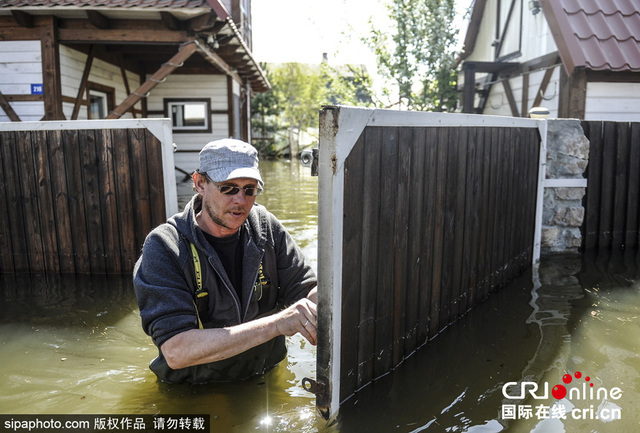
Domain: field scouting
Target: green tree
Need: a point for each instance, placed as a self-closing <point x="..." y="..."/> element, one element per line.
<point x="418" y="56"/>
<point x="298" y="91"/>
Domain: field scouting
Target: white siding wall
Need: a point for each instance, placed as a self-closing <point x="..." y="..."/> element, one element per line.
<point x="179" y="86"/>
<point x="72" y="63"/>
<point x="613" y="101"/>
<point x="498" y="104"/>
<point x="21" y="66"/>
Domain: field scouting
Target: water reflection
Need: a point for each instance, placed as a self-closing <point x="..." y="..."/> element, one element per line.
<point x="74" y="345"/>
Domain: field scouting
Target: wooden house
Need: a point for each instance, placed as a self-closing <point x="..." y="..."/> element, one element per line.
<point x="577" y="58"/>
<point x="188" y="60"/>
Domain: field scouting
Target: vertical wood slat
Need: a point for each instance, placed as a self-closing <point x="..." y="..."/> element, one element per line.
<point x="386" y="245"/>
<point x="29" y="197"/>
<point x="69" y="199"/>
<point x="13" y="218"/>
<point x="61" y="204"/>
<point x="613" y="195"/>
<point x="632" y="235"/>
<point x="370" y="221"/>
<point x="77" y="215"/>
<point x="355" y="187"/>
<point x="427" y="235"/>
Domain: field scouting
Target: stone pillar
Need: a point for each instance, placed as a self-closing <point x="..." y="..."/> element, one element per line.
<point x="563" y="214"/>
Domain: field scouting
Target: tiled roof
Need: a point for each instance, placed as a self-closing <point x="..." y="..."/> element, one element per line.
<point x="600" y="35"/>
<point x="106" y="3"/>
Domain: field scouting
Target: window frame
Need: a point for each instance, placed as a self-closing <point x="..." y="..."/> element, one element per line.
<point x="168" y="112"/>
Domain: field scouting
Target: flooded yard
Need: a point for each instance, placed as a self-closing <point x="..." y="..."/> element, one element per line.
<point x="74" y="345"/>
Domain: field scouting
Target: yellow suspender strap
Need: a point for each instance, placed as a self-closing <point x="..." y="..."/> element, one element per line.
<point x="198" y="271"/>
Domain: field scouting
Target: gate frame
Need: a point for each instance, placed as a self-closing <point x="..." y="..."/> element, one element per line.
<point x="340" y="128"/>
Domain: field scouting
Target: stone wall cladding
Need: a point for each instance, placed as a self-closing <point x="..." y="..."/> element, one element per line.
<point x="563" y="214"/>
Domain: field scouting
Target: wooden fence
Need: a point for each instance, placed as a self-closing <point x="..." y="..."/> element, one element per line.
<point x="612" y="202"/>
<point x="421" y="216"/>
<point x="80" y="197"/>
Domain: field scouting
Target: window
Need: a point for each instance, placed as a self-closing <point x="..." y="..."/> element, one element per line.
<point x="189" y="115"/>
<point x="101" y="100"/>
<point x="97" y="105"/>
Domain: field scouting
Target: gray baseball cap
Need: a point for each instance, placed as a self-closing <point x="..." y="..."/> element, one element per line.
<point x="229" y="158"/>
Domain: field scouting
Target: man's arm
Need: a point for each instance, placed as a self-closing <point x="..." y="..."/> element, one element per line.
<point x="200" y="346"/>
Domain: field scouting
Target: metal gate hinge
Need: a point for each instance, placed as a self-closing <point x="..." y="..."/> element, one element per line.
<point x="312" y="386"/>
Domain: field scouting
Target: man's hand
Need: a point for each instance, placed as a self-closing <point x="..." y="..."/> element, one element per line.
<point x="300" y="317"/>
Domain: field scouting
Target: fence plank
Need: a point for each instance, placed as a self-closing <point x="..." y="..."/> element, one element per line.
<point x="58" y="176"/>
<point x="427" y="326"/>
<point x="621" y="184"/>
<point x="632" y="236"/>
<point x="14" y="219"/>
<point x="124" y="198"/>
<point x="386" y="244"/>
<point x="29" y="199"/>
<point x="401" y="241"/>
<point x="370" y="251"/>
<point x="415" y="264"/>
<point x="73" y="151"/>
<point x="612" y="199"/>
<point x="356" y="189"/>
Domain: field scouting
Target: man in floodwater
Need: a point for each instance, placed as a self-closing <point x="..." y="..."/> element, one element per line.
<point x="222" y="283"/>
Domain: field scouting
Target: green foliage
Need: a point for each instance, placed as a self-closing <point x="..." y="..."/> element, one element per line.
<point x="418" y="56"/>
<point x="298" y="91"/>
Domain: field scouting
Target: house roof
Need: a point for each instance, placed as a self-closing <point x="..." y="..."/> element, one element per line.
<point x="600" y="35"/>
<point x="204" y="20"/>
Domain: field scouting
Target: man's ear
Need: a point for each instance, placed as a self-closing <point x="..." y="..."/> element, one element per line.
<point x="199" y="182"/>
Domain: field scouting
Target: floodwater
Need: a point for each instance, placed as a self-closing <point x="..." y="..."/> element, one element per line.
<point x="73" y="345"/>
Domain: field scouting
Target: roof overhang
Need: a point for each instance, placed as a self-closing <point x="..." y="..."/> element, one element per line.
<point x="143" y="37"/>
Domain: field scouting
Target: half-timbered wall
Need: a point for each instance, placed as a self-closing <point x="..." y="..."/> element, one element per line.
<point x="20" y="67"/>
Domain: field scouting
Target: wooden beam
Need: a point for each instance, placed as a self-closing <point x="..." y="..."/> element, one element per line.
<point x="98" y="20"/>
<point x="125" y="80"/>
<point x="512" y="101"/>
<point x="543" y="86"/>
<point x="51" y="76"/>
<point x="469" y="94"/>
<point x="83" y="84"/>
<point x="4" y="104"/>
<point x="525" y="94"/>
<point x="122" y="36"/>
<point x="23" y="18"/>
<point x="175" y="62"/>
<point x="217" y="61"/>
<point x="573" y="94"/>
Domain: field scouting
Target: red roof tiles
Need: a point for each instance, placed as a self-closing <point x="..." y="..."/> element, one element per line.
<point x="600" y="35"/>
<point x="106" y="3"/>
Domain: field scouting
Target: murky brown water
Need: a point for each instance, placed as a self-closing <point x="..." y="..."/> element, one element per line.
<point x="74" y="345"/>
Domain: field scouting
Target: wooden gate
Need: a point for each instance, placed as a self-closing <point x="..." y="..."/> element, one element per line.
<point x="80" y="197"/>
<point x="421" y="216"/>
<point x="612" y="202"/>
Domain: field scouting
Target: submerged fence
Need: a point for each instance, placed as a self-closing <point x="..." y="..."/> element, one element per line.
<point x="612" y="202"/>
<point x="422" y="216"/>
<point x="80" y="197"/>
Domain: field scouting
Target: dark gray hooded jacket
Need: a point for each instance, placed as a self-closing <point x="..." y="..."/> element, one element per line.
<point x="165" y="285"/>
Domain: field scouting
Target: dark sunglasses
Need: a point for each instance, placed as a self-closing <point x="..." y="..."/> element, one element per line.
<point x="249" y="191"/>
